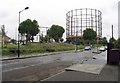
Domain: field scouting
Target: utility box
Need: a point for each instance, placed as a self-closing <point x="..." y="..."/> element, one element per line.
<point x="114" y="56"/>
<point x="109" y="47"/>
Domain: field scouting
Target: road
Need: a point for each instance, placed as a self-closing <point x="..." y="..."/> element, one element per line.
<point x="39" y="68"/>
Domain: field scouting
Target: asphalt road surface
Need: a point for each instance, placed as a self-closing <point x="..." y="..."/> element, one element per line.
<point x="39" y="68"/>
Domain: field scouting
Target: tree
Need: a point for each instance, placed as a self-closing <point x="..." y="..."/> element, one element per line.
<point x="44" y="39"/>
<point x="56" y="32"/>
<point x="47" y="39"/>
<point x="89" y="35"/>
<point x="3" y="30"/>
<point x="29" y="28"/>
<point x="13" y="41"/>
<point x="41" y="39"/>
<point x="61" y="40"/>
<point x="69" y="40"/>
<point x="103" y="41"/>
<point x="112" y="40"/>
<point x="118" y="42"/>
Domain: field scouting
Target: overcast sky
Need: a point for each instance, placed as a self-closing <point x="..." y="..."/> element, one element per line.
<point x="48" y="12"/>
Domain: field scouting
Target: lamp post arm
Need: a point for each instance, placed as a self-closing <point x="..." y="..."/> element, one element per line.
<point x="21" y="10"/>
<point x="19" y="17"/>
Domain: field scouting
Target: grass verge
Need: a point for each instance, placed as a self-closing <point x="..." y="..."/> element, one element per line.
<point x="11" y="49"/>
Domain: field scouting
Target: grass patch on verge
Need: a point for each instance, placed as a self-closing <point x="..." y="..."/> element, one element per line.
<point x="11" y="49"/>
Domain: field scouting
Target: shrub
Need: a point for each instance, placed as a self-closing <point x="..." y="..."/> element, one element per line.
<point x="13" y="50"/>
<point x="50" y="50"/>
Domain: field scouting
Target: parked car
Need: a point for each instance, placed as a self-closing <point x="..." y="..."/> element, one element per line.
<point x="106" y="47"/>
<point x="102" y="49"/>
<point x="87" y="48"/>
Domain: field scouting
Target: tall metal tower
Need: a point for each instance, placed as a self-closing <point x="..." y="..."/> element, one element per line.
<point x="79" y="19"/>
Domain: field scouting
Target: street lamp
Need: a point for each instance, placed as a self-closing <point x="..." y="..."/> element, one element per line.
<point x="18" y="32"/>
<point x="76" y="41"/>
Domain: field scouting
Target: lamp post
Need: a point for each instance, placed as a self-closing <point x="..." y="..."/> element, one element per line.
<point x="97" y="44"/>
<point x="77" y="19"/>
<point x="18" y="32"/>
<point x="76" y="41"/>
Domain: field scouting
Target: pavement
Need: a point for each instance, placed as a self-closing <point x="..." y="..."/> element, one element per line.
<point x="90" y="70"/>
<point x="108" y="73"/>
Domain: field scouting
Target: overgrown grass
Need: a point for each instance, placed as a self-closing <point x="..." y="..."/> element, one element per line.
<point x="8" y="48"/>
<point x="11" y="49"/>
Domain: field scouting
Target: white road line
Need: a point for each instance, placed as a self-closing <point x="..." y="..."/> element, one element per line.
<point x="14" y="69"/>
<point x="5" y="64"/>
<point x="53" y="75"/>
<point x="20" y="68"/>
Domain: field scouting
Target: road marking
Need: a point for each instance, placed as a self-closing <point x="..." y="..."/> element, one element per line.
<point x="53" y="76"/>
<point x="14" y="69"/>
<point x="5" y="64"/>
<point x="20" y="68"/>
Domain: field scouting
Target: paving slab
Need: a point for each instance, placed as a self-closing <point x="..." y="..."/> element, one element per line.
<point x="108" y="73"/>
<point x="89" y="68"/>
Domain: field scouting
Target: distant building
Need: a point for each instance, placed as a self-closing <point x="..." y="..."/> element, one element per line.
<point x="119" y="19"/>
<point x="5" y="39"/>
